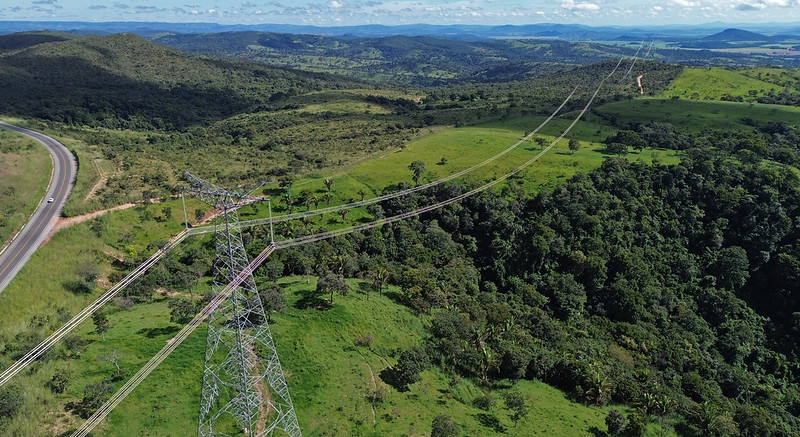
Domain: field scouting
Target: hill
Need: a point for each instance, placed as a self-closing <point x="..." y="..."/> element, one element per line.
<point x="736" y="35"/>
<point x="406" y="60"/>
<point x="125" y="81"/>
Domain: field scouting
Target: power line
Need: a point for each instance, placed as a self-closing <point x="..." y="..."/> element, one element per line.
<point x="93" y="307"/>
<point x="333" y="209"/>
<point x="129" y="386"/>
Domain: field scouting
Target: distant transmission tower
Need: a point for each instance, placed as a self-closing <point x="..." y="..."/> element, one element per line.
<point x="241" y="359"/>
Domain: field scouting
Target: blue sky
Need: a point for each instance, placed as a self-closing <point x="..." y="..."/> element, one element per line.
<point x="392" y="12"/>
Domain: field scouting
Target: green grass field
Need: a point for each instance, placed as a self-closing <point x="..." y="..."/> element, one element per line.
<point x="467" y="146"/>
<point x="714" y="83"/>
<point x="694" y="116"/>
<point x="330" y="377"/>
<point x="24" y="176"/>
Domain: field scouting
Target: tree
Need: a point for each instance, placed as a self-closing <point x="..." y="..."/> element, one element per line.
<point x="181" y="311"/>
<point x="167" y="212"/>
<point x="540" y="141"/>
<point x="273" y="299"/>
<point x="516" y="403"/>
<point x="708" y="420"/>
<point x="363" y="193"/>
<point x="327" y="197"/>
<point x="94" y="396"/>
<point x="199" y="214"/>
<point x="332" y="283"/>
<point x="628" y="138"/>
<point x="379" y="278"/>
<point x="286" y="183"/>
<point x="615" y="421"/>
<point x="617" y="148"/>
<point x="88" y="271"/>
<point x="328" y="184"/>
<point x="343" y="213"/>
<point x="444" y="426"/>
<point x="417" y="168"/>
<point x="574" y="145"/>
<point x="101" y="323"/>
<point x="410" y="364"/>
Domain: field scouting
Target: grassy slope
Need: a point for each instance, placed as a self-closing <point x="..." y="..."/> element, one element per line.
<point x="466" y="146"/>
<point x="714" y="83"/>
<point x="694" y="116"/>
<point x="24" y="175"/>
<point x="329" y="376"/>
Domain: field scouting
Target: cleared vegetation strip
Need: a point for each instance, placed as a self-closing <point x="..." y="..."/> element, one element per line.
<point x="187" y="330"/>
<point x="50" y="341"/>
<point x="332" y="234"/>
<point x="299" y="215"/>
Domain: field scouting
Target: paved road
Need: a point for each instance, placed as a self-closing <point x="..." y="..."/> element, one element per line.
<point x="35" y="231"/>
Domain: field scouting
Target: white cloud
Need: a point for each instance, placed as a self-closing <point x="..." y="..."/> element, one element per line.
<point x="336" y="4"/>
<point x="571" y="5"/>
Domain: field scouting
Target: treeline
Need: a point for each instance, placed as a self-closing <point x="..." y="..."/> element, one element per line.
<point x="773" y="140"/>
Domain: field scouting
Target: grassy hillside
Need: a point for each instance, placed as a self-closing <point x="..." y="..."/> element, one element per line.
<point x="714" y="84"/>
<point x="763" y="85"/>
<point x="332" y="394"/>
<point x="366" y="139"/>
<point x="695" y="116"/>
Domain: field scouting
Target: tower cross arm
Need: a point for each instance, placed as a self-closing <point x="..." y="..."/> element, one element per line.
<point x="213" y="195"/>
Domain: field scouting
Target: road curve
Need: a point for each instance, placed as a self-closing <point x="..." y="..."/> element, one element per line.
<point x="44" y="218"/>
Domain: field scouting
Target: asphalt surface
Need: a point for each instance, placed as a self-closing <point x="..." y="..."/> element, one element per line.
<point x="25" y="243"/>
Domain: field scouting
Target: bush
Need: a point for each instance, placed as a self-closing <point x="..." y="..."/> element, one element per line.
<point x="78" y="286"/>
<point x="615" y="421"/>
<point x="58" y="383"/>
<point x="444" y="426"/>
<point x="11" y="401"/>
<point x="484" y="402"/>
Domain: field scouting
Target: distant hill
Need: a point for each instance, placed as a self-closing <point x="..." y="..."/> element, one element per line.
<point x="737" y="38"/>
<point x="736" y="35"/>
<point x="405" y="60"/>
<point x="123" y="80"/>
<point x="23" y="40"/>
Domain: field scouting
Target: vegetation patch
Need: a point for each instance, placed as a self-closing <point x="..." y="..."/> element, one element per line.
<point x="24" y="176"/>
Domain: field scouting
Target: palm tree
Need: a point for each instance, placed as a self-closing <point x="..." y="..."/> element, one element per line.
<point x="328" y="197"/>
<point x="328" y="184"/>
<point x="343" y="212"/>
<point x="363" y="193"/>
<point x="379" y="278"/>
<point x="417" y="168"/>
<point x="289" y="201"/>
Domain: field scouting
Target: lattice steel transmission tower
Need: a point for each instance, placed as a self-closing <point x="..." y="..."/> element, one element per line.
<point x="241" y="359"/>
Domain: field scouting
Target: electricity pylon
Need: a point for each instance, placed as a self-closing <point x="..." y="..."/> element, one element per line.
<point x="241" y="359"/>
